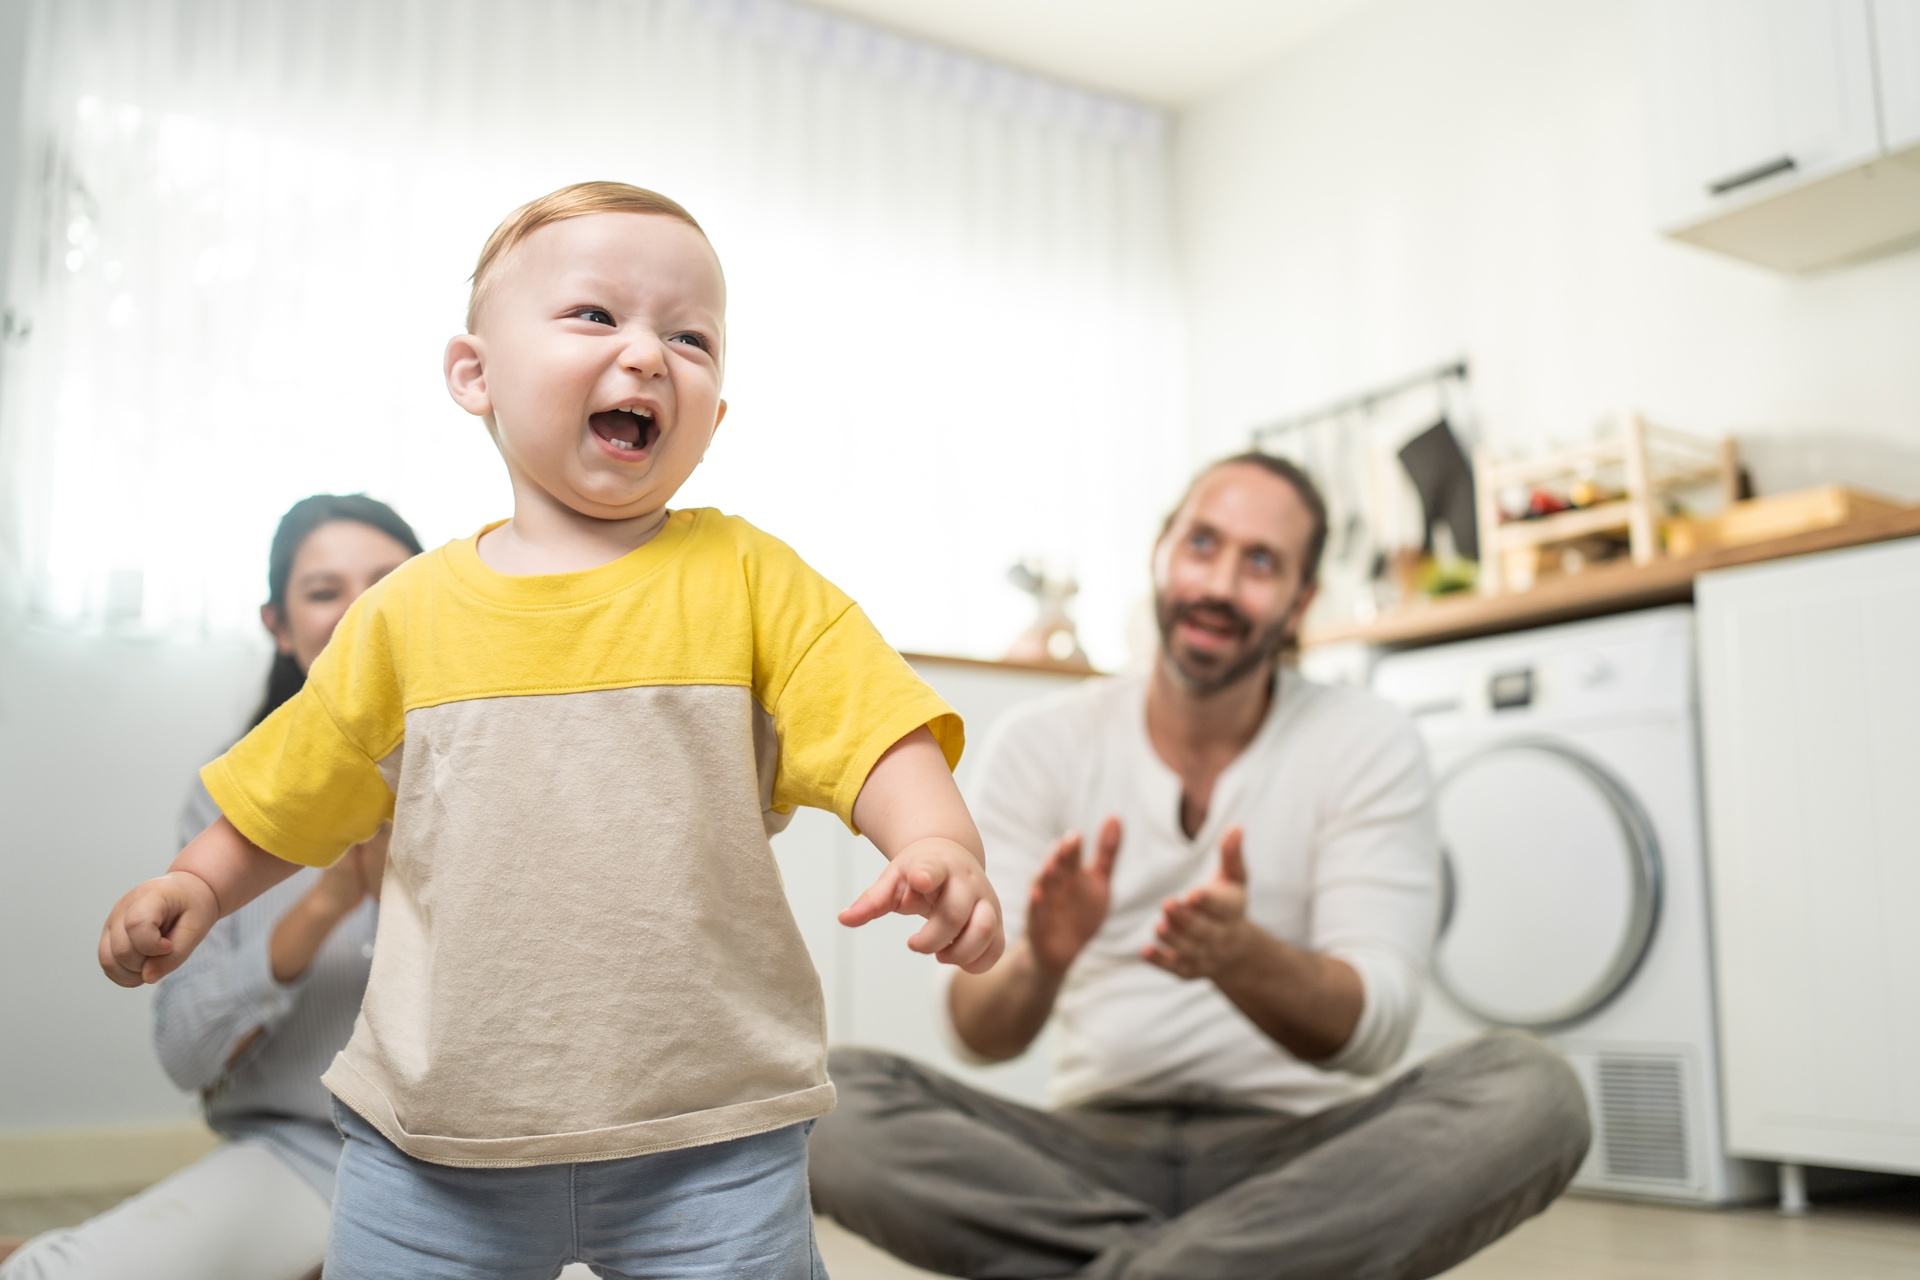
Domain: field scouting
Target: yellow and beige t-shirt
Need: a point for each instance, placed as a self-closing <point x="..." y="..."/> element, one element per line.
<point x="584" y="949"/>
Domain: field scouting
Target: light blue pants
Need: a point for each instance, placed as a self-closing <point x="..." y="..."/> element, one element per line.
<point x="727" y="1211"/>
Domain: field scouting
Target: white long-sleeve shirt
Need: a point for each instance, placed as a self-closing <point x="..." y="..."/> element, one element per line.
<point x="1342" y="857"/>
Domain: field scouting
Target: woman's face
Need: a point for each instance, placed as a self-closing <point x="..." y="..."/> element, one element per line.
<point x="337" y="562"/>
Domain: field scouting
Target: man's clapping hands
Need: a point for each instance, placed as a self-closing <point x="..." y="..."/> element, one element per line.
<point x="1197" y="936"/>
<point x="1205" y="932"/>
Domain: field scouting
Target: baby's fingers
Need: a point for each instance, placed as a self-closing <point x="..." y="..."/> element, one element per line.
<point x="927" y="879"/>
<point x="145" y="937"/>
<point x="944" y="925"/>
<point x="979" y="945"/>
<point x="952" y="908"/>
<point x="183" y="936"/>
<point x="118" y="960"/>
<point x="880" y="898"/>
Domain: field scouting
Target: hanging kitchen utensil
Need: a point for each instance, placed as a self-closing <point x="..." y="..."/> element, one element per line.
<point x="1443" y="476"/>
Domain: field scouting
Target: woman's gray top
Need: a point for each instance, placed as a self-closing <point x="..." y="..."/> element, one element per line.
<point x="271" y="1093"/>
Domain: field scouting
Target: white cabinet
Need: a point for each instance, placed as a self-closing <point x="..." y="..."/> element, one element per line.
<point x="1811" y="714"/>
<point x="1754" y="95"/>
<point x="1767" y="126"/>
<point x="879" y="993"/>
<point x="1896" y="38"/>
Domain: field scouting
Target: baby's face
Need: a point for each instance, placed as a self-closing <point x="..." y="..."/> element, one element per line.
<point x="602" y="343"/>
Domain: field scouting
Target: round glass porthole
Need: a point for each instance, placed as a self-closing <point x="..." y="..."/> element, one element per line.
<point x="1552" y="885"/>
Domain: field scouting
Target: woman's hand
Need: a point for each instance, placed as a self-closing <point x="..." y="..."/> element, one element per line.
<point x="357" y="876"/>
<point x="337" y="894"/>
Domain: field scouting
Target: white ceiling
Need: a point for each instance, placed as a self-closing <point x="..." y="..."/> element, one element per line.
<point x="1169" y="52"/>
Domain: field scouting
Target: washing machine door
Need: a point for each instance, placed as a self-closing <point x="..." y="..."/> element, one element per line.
<point x="1552" y="885"/>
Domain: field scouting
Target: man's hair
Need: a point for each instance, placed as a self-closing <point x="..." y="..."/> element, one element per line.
<point x="575" y="201"/>
<point x="1286" y="470"/>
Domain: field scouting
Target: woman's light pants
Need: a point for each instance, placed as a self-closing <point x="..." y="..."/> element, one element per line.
<point x="242" y="1213"/>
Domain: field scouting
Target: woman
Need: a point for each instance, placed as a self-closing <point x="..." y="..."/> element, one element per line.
<point x="259" y="1011"/>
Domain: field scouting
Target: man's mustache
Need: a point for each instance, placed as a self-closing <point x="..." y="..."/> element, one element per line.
<point x="1211" y="613"/>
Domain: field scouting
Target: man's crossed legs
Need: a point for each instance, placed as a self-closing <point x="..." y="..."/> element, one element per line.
<point x="1405" y="1183"/>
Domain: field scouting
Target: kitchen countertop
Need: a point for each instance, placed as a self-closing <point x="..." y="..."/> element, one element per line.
<point x="1001" y="664"/>
<point x="1609" y="588"/>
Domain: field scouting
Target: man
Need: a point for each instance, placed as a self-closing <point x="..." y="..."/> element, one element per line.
<point x="1241" y="949"/>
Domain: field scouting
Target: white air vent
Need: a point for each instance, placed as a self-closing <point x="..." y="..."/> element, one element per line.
<point x="1643" y="1119"/>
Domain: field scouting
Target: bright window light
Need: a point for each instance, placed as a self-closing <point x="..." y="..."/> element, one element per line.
<point x="952" y="332"/>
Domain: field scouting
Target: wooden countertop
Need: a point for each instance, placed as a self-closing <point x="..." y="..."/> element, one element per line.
<point x="1001" y="664"/>
<point x="1610" y="588"/>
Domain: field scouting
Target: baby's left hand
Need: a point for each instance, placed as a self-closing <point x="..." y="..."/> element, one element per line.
<point x="939" y="879"/>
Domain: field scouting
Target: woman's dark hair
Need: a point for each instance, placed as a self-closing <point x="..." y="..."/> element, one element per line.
<point x="303" y="517"/>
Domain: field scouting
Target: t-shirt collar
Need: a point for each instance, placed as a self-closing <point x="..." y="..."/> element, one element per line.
<point x="561" y="590"/>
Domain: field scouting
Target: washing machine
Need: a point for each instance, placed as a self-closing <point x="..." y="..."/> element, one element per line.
<point x="1574" y="893"/>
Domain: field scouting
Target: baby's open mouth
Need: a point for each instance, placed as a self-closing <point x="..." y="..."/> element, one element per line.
<point x="631" y="429"/>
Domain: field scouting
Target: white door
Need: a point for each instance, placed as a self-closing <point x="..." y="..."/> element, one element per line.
<point x="1749" y="98"/>
<point x="1811" y="713"/>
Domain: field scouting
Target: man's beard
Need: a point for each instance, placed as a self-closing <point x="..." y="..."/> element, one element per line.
<point x="1260" y="646"/>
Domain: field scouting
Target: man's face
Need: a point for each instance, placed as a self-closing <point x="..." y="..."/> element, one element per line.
<point x="600" y="349"/>
<point x="1227" y="587"/>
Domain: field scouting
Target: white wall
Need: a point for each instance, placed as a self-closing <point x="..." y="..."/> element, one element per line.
<point x="99" y="740"/>
<point x="1434" y="178"/>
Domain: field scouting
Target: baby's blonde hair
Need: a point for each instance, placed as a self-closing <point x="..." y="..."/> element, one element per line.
<point x="575" y="201"/>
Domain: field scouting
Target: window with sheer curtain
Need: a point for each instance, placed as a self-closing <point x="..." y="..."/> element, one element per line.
<point x="247" y="227"/>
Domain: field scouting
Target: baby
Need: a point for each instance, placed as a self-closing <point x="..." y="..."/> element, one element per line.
<point x="592" y="1030"/>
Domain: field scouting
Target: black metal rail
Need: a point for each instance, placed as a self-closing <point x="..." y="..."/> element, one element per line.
<point x="1455" y="372"/>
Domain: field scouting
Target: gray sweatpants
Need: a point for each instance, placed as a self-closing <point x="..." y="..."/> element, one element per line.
<point x="1405" y="1183"/>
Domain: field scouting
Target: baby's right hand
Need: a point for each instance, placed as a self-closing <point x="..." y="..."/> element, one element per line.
<point x="155" y="927"/>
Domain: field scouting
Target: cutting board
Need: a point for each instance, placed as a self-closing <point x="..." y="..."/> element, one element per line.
<point x="1758" y="519"/>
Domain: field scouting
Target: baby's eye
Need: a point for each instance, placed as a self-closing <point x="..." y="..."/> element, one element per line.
<point x="594" y="315"/>
<point x="699" y="340"/>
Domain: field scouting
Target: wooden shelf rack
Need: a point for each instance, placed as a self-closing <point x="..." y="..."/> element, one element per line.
<point x="1652" y="463"/>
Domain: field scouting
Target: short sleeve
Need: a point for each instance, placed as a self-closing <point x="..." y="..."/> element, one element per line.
<point x="305" y="784"/>
<point x="838" y="693"/>
<point x="848" y="699"/>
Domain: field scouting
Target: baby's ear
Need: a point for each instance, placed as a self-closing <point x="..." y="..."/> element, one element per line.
<point x="466" y="372"/>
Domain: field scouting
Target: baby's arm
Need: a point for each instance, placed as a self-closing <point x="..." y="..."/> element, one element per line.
<point x="155" y="927"/>
<point x="936" y="865"/>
